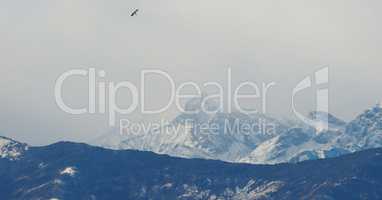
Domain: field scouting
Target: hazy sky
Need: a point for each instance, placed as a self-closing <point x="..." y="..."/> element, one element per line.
<point x="262" y="41"/>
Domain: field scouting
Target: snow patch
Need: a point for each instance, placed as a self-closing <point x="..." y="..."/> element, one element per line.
<point x="42" y="165"/>
<point x="71" y="171"/>
<point x="166" y="186"/>
<point x="252" y="191"/>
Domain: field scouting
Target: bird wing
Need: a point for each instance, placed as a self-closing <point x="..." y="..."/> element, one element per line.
<point x="134" y="13"/>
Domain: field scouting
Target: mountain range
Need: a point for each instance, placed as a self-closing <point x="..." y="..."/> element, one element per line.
<point x="266" y="141"/>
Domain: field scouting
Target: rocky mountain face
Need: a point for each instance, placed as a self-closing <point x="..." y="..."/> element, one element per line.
<point x="237" y="137"/>
<point x="78" y="171"/>
<point x="11" y="149"/>
<point x="200" y="134"/>
<point x="365" y="131"/>
<point x="220" y="136"/>
<point x="298" y="144"/>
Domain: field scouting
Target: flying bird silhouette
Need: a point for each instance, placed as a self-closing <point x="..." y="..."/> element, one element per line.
<point x="134" y="13"/>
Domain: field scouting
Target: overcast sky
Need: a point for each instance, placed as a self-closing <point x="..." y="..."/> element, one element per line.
<point x="262" y="41"/>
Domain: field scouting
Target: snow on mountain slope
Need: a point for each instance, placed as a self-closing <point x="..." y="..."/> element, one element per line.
<point x="365" y="131"/>
<point x="80" y="171"/>
<point x="327" y="120"/>
<point x="236" y="143"/>
<point x="298" y="144"/>
<point x="285" y="147"/>
<point x="11" y="149"/>
<point x="187" y="136"/>
<point x="200" y="134"/>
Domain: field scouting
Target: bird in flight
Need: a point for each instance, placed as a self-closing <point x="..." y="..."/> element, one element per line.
<point x="134" y="13"/>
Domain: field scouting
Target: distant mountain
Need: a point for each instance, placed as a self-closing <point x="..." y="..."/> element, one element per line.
<point x="78" y="171"/>
<point x="365" y="131"/>
<point x="302" y="143"/>
<point x="309" y="143"/>
<point x="222" y="136"/>
<point x="328" y="137"/>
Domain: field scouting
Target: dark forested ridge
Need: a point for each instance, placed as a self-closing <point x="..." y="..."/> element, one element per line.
<point x="78" y="171"/>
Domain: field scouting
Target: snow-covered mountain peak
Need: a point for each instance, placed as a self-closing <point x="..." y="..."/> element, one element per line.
<point x="327" y="117"/>
<point x="369" y="121"/>
<point x="238" y="137"/>
<point x="324" y="121"/>
<point x="365" y="131"/>
<point x="202" y="103"/>
<point x="11" y="149"/>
